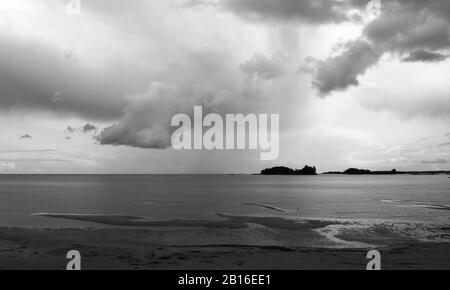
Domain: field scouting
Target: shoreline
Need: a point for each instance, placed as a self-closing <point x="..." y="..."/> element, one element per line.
<point x="46" y="248"/>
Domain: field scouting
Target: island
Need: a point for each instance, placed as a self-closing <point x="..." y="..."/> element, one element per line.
<point x="355" y="171"/>
<point x="308" y="170"/>
<point x="281" y="170"/>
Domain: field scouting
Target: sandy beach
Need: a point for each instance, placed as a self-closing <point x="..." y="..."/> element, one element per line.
<point x="134" y="249"/>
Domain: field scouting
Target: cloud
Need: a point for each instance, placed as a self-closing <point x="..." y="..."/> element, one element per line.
<point x="85" y="129"/>
<point x="68" y="132"/>
<point x="305" y="11"/>
<point x="435" y="161"/>
<point x="408" y="25"/>
<point x="418" y="29"/>
<point x="145" y="123"/>
<point x="342" y="71"/>
<point x="425" y="151"/>
<point x="26" y="136"/>
<point x="72" y="75"/>
<point x="208" y="79"/>
<point x="49" y="63"/>
<point x="425" y="56"/>
<point x="89" y="128"/>
<point x="24" y="87"/>
<point x="262" y="67"/>
<point x="406" y="106"/>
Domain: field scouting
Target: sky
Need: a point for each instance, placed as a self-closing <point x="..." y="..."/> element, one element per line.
<point x="95" y="91"/>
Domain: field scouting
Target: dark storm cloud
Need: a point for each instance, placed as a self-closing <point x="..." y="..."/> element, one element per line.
<point x="340" y="72"/>
<point x="85" y="69"/>
<point x="262" y="67"/>
<point x="146" y="120"/>
<point x="75" y="66"/>
<point x="418" y="29"/>
<point x="406" y="26"/>
<point x="305" y="11"/>
<point x="98" y="65"/>
<point x="425" y="56"/>
<point x="33" y="77"/>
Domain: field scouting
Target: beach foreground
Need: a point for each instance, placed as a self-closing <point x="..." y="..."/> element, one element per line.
<point x="134" y="249"/>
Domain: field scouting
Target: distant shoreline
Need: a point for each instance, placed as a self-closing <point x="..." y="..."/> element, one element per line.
<point x="353" y="171"/>
<point x="400" y="173"/>
<point x="307" y="170"/>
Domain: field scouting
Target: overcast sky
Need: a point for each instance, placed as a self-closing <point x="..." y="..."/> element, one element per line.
<point x="95" y="92"/>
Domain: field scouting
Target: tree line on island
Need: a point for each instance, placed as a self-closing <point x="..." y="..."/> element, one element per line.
<point x="281" y="170"/>
<point x="311" y="170"/>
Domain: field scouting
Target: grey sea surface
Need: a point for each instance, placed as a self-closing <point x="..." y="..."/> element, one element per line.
<point x="315" y="211"/>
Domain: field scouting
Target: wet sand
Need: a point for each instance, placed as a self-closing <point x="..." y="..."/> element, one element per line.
<point x="136" y="249"/>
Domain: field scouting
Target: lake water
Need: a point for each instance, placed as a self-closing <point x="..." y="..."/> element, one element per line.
<point x="365" y="209"/>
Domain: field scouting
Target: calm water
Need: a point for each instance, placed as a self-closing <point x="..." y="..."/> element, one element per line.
<point x="167" y="197"/>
